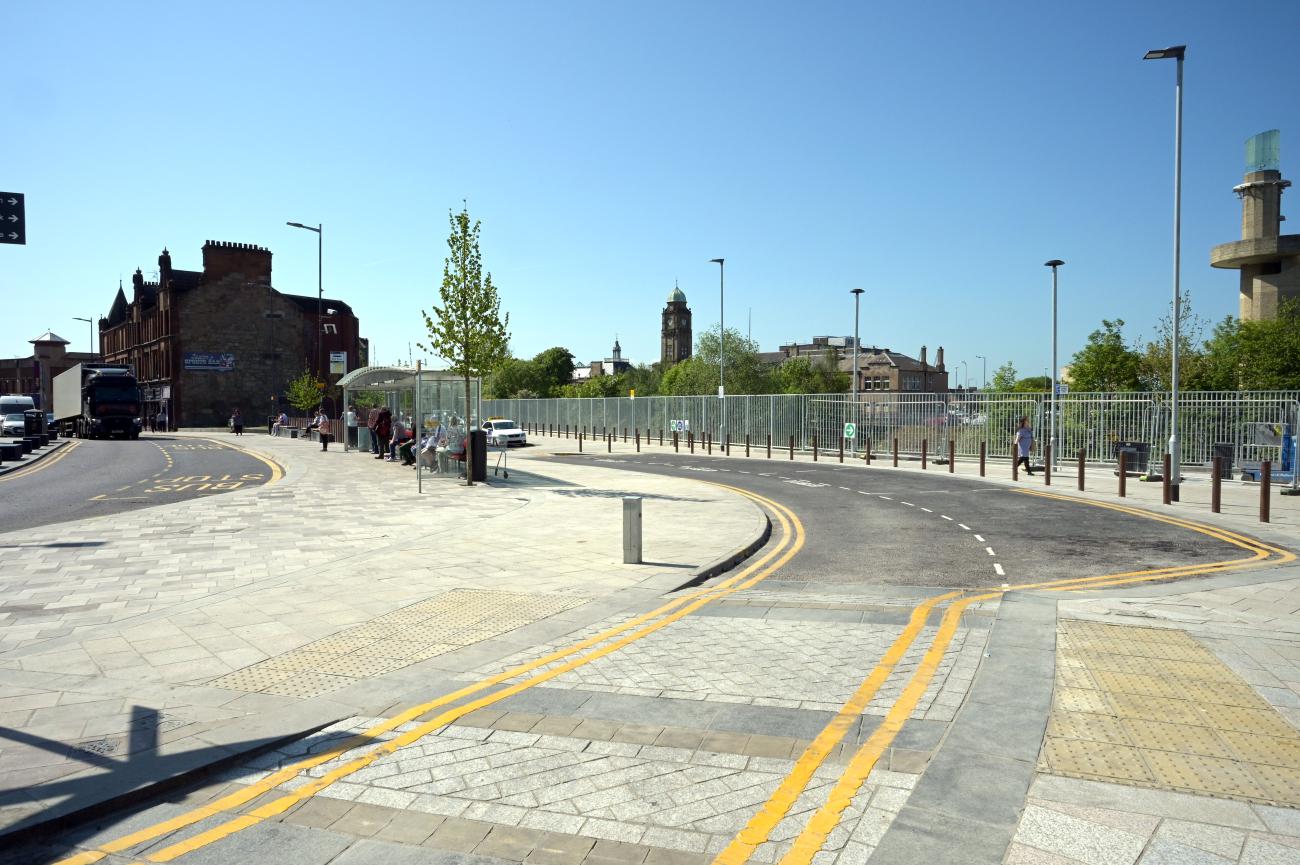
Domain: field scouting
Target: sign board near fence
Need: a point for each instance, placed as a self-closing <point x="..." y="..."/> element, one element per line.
<point x="679" y="426"/>
<point x="209" y="361"/>
<point x="850" y="430"/>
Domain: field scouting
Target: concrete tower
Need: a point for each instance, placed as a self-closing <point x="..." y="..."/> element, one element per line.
<point x="675" y="333"/>
<point x="1269" y="261"/>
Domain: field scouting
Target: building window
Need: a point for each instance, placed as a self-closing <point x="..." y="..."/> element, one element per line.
<point x="329" y="327"/>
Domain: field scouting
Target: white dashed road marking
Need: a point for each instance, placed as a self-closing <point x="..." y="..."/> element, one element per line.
<point x="909" y="504"/>
<point x="998" y="569"/>
<point x="979" y="538"/>
<point x="945" y="517"/>
<point x="927" y="510"/>
<point x="989" y="550"/>
<point x="964" y="526"/>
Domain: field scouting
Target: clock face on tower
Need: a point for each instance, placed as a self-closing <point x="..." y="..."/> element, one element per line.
<point x="672" y="322"/>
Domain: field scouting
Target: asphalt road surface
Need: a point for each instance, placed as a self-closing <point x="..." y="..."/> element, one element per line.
<point x="89" y="478"/>
<point x="935" y="530"/>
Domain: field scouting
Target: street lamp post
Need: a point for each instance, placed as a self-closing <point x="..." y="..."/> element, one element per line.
<point x="722" y="344"/>
<point x="320" y="293"/>
<point x="1175" y="52"/>
<point x="857" y="297"/>
<point x="90" y="322"/>
<point x="1053" y="264"/>
<point x="984" y="385"/>
<point x="965" y="376"/>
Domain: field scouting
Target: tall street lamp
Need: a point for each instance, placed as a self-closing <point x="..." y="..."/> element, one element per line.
<point x="965" y="376"/>
<point x="90" y="322"/>
<point x="1175" y="452"/>
<point x="985" y="378"/>
<point x="320" y="295"/>
<point x="857" y="297"/>
<point x="722" y="344"/>
<point x="1053" y="264"/>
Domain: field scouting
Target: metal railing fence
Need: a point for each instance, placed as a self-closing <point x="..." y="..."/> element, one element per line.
<point x="1095" y="422"/>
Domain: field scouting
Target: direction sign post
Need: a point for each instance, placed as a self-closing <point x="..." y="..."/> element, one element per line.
<point x="13" y="218"/>
<point x="850" y="431"/>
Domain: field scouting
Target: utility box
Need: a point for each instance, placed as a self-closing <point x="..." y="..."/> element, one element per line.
<point x="1224" y="451"/>
<point x="1137" y="456"/>
<point x="478" y="471"/>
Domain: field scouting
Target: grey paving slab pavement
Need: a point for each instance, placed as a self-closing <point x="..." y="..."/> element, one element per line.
<point x="117" y="632"/>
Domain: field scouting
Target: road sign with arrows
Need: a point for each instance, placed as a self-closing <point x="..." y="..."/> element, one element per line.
<point x="13" y="221"/>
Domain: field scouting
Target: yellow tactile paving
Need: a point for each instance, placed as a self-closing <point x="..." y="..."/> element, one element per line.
<point x="1152" y="707"/>
<point x="415" y="633"/>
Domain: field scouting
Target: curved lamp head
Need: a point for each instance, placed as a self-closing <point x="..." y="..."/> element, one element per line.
<point x="1055" y="262"/>
<point x="855" y="291"/>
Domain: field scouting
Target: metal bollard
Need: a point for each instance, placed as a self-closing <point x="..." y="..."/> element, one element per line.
<point x="1216" y="483"/>
<point x="1082" y="453"/>
<point x="1164" y="480"/>
<point x="895" y="452"/>
<point x="609" y="442"/>
<point x="982" y="447"/>
<point x="677" y="448"/>
<point x="1123" y="474"/>
<point x="925" y="447"/>
<point x="952" y="456"/>
<point x="1265" y="482"/>
<point x="814" y="438"/>
<point x="769" y="445"/>
<point x="708" y="443"/>
<point x="726" y="445"/>
<point x="746" y="445"/>
<point x="661" y="436"/>
<point x="791" y="447"/>
<point x="632" y="530"/>
<point x="1047" y="468"/>
<point x="690" y="441"/>
<point x="841" y="448"/>
<point x="867" y="455"/>
<point x="638" y="441"/>
<point x="579" y="442"/>
<point x="1015" y="465"/>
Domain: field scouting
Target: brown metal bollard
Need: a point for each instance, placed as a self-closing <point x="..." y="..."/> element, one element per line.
<point x="677" y="445"/>
<point x="1265" y="483"/>
<point x="638" y="441"/>
<point x="895" y="452"/>
<point x="952" y="456"/>
<point x="1015" y="465"/>
<point x="814" y="438"/>
<point x="792" y="447"/>
<point x="1123" y="474"/>
<point x="769" y="445"/>
<point x="661" y="436"/>
<point x="579" y="442"/>
<point x="624" y="435"/>
<point x="746" y="445"/>
<point x="609" y="441"/>
<point x="982" y="447"/>
<point x="1216" y="483"/>
<point x="1047" y="469"/>
<point x="867" y="456"/>
<point x="841" y="448"/>
<point x="708" y="443"/>
<point x="726" y="445"/>
<point x="690" y="441"/>
<point x="1164" y="480"/>
<point x="1082" y="453"/>
<point x="925" y="446"/>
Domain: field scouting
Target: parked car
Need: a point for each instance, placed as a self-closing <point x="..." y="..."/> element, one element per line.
<point x="503" y="431"/>
<point x="13" y="424"/>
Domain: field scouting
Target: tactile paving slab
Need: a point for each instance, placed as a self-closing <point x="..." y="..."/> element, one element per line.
<point x="1151" y="707"/>
<point x="394" y="640"/>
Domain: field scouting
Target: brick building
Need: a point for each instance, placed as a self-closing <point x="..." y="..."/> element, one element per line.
<point x="32" y="376"/>
<point x="204" y="342"/>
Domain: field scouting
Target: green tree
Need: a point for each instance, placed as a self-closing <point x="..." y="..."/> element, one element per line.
<point x="1033" y="384"/>
<point x="745" y="370"/>
<point x="1106" y="363"/>
<point x="552" y="369"/>
<point x="1270" y="351"/>
<point x="467" y="330"/>
<point x="304" y="392"/>
<point x="1157" y="359"/>
<point x="1221" y="366"/>
<point x="511" y="377"/>
<point x="1004" y="378"/>
<point x="811" y="375"/>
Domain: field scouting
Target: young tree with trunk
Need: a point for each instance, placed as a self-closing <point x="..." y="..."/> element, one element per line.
<point x="468" y="329"/>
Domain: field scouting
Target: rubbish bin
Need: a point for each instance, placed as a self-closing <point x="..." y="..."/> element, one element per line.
<point x="479" y="455"/>
<point x="1136" y="456"/>
<point x="1224" y="451"/>
<point x="33" y="422"/>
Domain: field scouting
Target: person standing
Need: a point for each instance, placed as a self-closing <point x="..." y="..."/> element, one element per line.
<point x="383" y="431"/>
<point x="322" y="424"/>
<point x="237" y="422"/>
<point x="372" y="421"/>
<point x="1024" y="444"/>
<point x="351" y="422"/>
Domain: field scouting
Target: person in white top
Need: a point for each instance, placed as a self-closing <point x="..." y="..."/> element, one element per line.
<point x="1024" y="444"/>
<point x="322" y="424"/>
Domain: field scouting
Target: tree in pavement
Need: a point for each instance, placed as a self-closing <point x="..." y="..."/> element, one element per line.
<point x="468" y="329"/>
<point x="304" y="392"/>
<point x="1157" y="359"/>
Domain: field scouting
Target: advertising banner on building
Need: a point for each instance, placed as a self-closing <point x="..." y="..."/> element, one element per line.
<point x="209" y="361"/>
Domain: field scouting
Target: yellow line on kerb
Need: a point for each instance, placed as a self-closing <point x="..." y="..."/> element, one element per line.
<point x="790" y="543"/>
<point x="810" y="841"/>
<point x="276" y="471"/>
<point x="28" y="471"/>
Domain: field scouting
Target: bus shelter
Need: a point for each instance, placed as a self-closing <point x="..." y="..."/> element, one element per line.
<point x="430" y="401"/>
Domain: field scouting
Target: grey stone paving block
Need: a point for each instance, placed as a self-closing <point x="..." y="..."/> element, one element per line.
<point x="458" y="834"/>
<point x="369" y="851"/>
<point x="1261" y="851"/>
<point x="919" y="837"/>
<point x="974" y="786"/>
<point x="804" y="614"/>
<point x="1165" y="852"/>
<point x="1161" y="803"/>
<point x="318" y="812"/>
<point x="769" y="721"/>
<point x="410" y="827"/>
<point x="998" y="729"/>
<point x="266" y="844"/>
<point x="1066" y="835"/>
<point x="917" y="734"/>
<point x="363" y="820"/>
<point x="650" y="710"/>
<point x="508" y="842"/>
<point x="616" y="853"/>
<point x="555" y="849"/>
<point x="731" y="611"/>
<point x="1280" y="821"/>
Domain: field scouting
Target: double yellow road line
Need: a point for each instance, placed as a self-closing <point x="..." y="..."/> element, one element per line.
<point x="758" y="830"/>
<point x="28" y="471"/>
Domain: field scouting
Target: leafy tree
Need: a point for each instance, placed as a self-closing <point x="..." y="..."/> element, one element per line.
<point x="1157" y="359"/>
<point x="304" y="392"/>
<point x="1106" y="363"/>
<point x="510" y="378"/>
<point x="805" y="374"/>
<point x="745" y="371"/>
<point x="1221" y="366"/>
<point x="1034" y="384"/>
<point x="468" y="330"/>
<point x="1004" y="378"/>
<point x="552" y="369"/>
<point x="365" y="400"/>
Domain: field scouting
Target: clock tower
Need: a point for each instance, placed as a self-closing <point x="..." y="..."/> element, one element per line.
<point x="675" y="334"/>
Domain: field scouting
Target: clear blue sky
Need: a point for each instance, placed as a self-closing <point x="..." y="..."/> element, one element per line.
<point x="935" y="154"/>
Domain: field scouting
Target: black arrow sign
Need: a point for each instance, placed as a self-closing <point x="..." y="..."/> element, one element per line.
<point x="12" y="211"/>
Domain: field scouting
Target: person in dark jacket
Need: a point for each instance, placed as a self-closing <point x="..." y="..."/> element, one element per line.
<point x="383" y="431"/>
<point x="371" y="420"/>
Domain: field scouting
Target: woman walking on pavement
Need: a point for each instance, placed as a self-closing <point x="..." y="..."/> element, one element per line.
<point x="1024" y="444"/>
<point x="322" y="424"/>
<point x="237" y="422"/>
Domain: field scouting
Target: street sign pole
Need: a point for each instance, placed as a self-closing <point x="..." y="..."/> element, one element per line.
<point x="13" y="218"/>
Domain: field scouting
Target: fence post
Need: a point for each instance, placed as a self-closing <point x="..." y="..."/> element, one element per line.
<point x="841" y="448"/>
<point x="867" y="456"/>
<point x="952" y="455"/>
<point x="746" y="445"/>
<point x="792" y="448"/>
<point x="1216" y="477"/>
<point x="925" y="448"/>
<point x="1265" y="482"/>
<point x="982" y="447"/>
<point x="895" y="451"/>
<point x="1015" y="465"/>
<point x="1082" y="453"/>
<point x="1123" y="473"/>
<point x="814" y="438"/>
<point x="1164" y="480"/>
<point x="1047" y="469"/>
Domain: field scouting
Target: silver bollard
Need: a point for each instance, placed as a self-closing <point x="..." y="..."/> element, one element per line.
<point x="632" y="530"/>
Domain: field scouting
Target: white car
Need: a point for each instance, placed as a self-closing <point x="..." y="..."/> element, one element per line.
<point x="14" y="425"/>
<point x="504" y="432"/>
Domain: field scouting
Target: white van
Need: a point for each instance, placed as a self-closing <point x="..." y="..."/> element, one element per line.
<point x="12" y="406"/>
